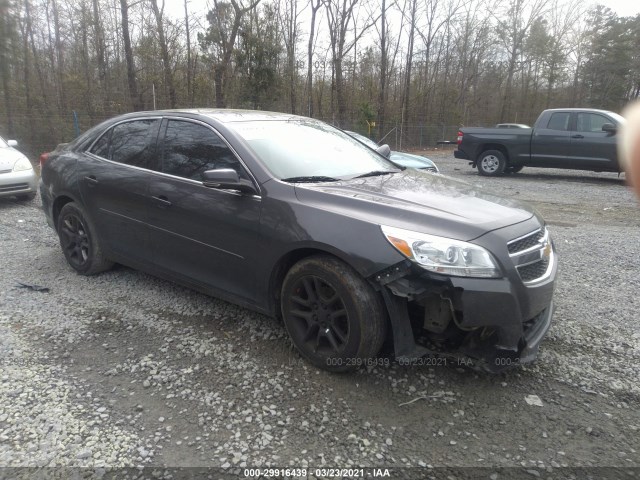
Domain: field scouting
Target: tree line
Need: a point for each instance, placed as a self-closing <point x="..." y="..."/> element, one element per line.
<point x="408" y="71"/>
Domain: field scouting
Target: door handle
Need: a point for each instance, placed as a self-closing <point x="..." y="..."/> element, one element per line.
<point x="91" y="180"/>
<point x="577" y="136"/>
<point x="162" y="201"/>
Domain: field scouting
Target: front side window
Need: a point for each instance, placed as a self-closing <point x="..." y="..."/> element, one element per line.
<point x="191" y="149"/>
<point x="559" y="121"/>
<point x="591" y="122"/>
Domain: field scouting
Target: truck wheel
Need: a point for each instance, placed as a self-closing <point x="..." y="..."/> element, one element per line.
<point x="334" y="317"/>
<point x="514" y="169"/>
<point x="491" y="163"/>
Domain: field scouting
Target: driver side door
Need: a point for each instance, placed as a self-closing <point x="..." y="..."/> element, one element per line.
<point x="205" y="236"/>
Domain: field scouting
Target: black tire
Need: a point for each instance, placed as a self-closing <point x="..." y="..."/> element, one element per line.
<point x="516" y="169"/>
<point x="79" y="241"/>
<point x="335" y="319"/>
<point x="491" y="163"/>
<point x="27" y="197"/>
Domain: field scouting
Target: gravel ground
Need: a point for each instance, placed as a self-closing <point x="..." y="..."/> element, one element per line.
<point x="125" y="370"/>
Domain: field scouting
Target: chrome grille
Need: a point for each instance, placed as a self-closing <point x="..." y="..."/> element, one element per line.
<point x="5" y="171"/>
<point x="524" y="243"/>
<point x="13" y="188"/>
<point x="532" y="255"/>
<point x="535" y="270"/>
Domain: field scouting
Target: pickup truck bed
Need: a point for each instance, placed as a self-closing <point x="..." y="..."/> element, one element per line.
<point x="575" y="138"/>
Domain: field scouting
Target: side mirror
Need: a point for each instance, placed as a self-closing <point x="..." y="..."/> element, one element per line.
<point x="609" y="128"/>
<point x="384" y="150"/>
<point x="12" y="143"/>
<point x="226" y="178"/>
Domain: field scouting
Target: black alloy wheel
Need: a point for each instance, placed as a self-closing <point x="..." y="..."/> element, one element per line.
<point x="334" y="317"/>
<point x="78" y="242"/>
<point x="321" y="319"/>
<point x="75" y="241"/>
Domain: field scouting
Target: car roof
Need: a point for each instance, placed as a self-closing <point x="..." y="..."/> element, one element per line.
<point x="224" y="115"/>
<point x="579" y="110"/>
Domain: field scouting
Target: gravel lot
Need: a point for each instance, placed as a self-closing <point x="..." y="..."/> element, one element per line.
<point x="125" y="370"/>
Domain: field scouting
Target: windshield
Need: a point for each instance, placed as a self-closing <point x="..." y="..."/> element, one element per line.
<point x="366" y="140"/>
<point x="618" y="118"/>
<point x="307" y="148"/>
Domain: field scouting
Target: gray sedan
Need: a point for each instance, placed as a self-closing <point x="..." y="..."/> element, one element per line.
<point x="17" y="177"/>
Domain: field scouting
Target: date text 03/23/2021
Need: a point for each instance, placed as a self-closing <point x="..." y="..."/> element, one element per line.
<point x="317" y="472"/>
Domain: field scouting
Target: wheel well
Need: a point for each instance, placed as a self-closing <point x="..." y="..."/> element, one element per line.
<point x="494" y="146"/>
<point x="57" y="206"/>
<point x="280" y="271"/>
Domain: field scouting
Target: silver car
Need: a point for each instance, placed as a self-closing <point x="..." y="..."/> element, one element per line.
<point x="408" y="160"/>
<point x="17" y="177"/>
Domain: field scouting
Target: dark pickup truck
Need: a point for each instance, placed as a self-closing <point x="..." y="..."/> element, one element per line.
<point x="573" y="138"/>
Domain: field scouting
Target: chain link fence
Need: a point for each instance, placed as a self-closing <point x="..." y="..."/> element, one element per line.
<point x="42" y="133"/>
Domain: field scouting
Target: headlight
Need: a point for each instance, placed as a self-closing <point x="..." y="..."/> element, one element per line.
<point x="22" y="164"/>
<point x="443" y="255"/>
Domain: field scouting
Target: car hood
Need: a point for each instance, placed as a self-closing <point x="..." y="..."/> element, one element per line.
<point x="410" y="160"/>
<point x="417" y="201"/>
<point x="8" y="157"/>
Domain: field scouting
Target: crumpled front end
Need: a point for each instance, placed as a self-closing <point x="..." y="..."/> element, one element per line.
<point x="486" y="323"/>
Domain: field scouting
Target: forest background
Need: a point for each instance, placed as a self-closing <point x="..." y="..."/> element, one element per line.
<point x="410" y="72"/>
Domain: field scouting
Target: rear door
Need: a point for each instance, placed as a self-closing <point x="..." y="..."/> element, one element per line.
<point x="591" y="147"/>
<point x="203" y="235"/>
<point x="114" y="182"/>
<point x="551" y="141"/>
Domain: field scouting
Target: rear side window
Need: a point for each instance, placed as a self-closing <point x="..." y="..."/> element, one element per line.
<point x="559" y="121"/>
<point x="191" y="149"/>
<point x="130" y="143"/>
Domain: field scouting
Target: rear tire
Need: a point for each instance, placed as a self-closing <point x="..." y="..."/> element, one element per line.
<point x="335" y="319"/>
<point x="79" y="241"/>
<point x="491" y="163"/>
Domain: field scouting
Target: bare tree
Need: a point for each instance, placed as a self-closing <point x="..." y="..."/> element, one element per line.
<point x="315" y="6"/>
<point x="406" y="92"/>
<point x="189" y="61"/>
<point x="164" y="51"/>
<point x="520" y="16"/>
<point x="136" y="101"/>
<point x="289" y="14"/>
<point x="224" y="24"/>
<point x="342" y="20"/>
<point x="5" y="35"/>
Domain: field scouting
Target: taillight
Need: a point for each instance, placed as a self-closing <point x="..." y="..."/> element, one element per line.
<point x="43" y="158"/>
<point x="460" y="134"/>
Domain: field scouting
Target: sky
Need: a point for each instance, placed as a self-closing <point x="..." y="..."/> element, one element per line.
<point x="624" y="8"/>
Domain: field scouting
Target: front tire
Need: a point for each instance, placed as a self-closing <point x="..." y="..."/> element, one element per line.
<point x="491" y="163"/>
<point x="79" y="241"/>
<point x="514" y="169"/>
<point x="335" y="319"/>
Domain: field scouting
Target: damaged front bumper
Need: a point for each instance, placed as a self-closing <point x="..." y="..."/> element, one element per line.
<point x="488" y="324"/>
